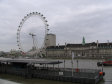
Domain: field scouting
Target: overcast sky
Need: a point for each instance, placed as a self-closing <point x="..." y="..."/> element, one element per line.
<point x="70" y="20"/>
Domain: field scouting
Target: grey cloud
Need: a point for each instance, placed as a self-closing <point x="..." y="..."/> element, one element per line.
<point x="70" y="20"/>
<point x="93" y="26"/>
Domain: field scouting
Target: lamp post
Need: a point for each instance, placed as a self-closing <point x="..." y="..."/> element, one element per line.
<point x="102" y="63"/>
<point x="65" y="54"/>
<point x="72" y="61"/>
<point x="58" y="57"/>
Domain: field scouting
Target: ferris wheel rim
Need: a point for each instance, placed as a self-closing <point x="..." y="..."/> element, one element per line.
<point x="22" y="23"/>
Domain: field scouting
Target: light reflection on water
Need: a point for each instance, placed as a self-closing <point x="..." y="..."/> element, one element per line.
<point x="91" y="64"/>
<point x="2" y="81"/>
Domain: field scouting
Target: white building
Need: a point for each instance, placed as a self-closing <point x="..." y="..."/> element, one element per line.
<point x="50" y="40"/>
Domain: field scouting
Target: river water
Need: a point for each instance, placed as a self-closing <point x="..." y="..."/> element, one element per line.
<point x="82" y="63"/>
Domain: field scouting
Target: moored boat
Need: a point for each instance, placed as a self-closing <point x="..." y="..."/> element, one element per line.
<point x="105" y="63"/>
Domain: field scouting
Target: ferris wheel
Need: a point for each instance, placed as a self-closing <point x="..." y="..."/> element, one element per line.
<point x="43" y="19"/>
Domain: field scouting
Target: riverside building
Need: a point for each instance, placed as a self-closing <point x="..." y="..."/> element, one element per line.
<point x="84" y="50"/>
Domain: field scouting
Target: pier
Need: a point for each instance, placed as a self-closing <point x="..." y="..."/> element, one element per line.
<point x="31" y="68"/>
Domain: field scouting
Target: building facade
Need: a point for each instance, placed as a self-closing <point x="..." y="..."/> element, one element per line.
<point x="88" y="50"/>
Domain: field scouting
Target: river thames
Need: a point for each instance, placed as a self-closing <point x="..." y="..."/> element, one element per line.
<point x="82" y="63"/>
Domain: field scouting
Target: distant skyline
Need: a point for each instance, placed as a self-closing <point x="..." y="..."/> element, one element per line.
<point x="70" y="20"/>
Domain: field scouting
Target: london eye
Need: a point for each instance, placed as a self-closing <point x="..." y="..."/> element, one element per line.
<point x="33" y="34"/>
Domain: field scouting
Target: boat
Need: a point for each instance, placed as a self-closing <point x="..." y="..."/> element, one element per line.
<point x="105" y="63"/>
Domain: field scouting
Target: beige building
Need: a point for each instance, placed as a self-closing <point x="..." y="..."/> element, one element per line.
<point x="50" y="40"/>
<point x="88" y="50"/>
